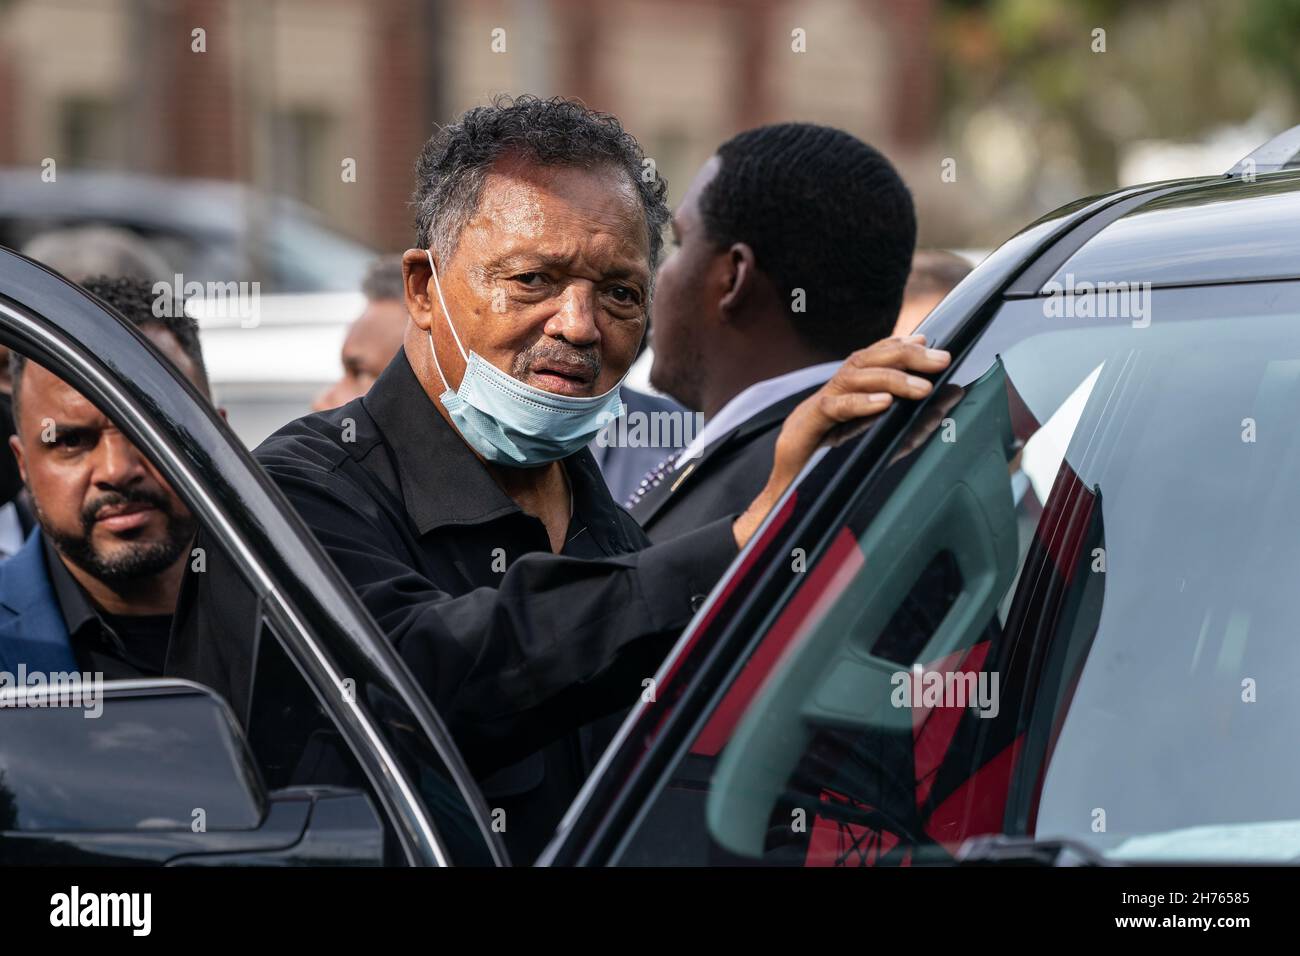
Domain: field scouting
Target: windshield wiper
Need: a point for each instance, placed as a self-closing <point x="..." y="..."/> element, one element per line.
<point x="998" y="849"/>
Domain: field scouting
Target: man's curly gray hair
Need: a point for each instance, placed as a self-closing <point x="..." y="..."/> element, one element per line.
<point x="550" y="132"/>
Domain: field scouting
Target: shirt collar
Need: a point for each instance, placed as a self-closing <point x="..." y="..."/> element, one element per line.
<point x="444" y="483"/>
<point x="753" y="400"/>
<point x="74" y="605"/>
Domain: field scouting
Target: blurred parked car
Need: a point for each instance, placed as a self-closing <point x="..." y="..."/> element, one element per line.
<point x="264" y="373"/>
<point x="1089" y="525"/>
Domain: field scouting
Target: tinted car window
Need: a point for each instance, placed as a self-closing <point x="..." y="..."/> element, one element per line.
<point x="1067" y="614"/>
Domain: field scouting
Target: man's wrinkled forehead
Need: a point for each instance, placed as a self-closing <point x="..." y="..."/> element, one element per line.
<point x="44" y="395"/>
<point x="526" y="208"/>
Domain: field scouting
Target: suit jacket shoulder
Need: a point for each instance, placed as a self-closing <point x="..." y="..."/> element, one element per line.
<point x="32" y="632"/>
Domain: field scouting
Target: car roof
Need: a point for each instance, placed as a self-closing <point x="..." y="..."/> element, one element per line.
<point x="1195" y="232"/>
<point x="202" y="206"/>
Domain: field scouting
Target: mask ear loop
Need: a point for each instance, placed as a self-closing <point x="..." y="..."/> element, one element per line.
<point x="446" y="315"/>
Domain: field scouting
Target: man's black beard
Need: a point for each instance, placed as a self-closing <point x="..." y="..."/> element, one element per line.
<point x="134" y="560"/>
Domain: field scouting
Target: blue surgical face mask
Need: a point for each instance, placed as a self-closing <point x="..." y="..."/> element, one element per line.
<point x="509" y="422"/>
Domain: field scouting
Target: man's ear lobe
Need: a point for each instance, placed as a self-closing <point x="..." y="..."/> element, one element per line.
<point x="740" y="277"/>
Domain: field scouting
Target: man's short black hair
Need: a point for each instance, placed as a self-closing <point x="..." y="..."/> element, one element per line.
<point x="549" y="132"/>
<point x="134" y="299"/>
<point x="824" y="213"/>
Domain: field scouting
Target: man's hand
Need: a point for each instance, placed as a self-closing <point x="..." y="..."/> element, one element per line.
<point x="863" y="387"/>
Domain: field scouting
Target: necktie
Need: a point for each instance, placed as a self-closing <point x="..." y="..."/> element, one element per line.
<point x="653" y="478"/>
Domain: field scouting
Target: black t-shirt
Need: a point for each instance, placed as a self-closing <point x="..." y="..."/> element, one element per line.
<point x="119" y="646"/>
<point x="141" y="644"/>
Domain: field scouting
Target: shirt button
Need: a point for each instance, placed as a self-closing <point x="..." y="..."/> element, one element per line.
<point x="697" y="602"/>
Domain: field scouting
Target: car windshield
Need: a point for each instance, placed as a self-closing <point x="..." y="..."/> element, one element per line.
<point x="1069" y="613"/>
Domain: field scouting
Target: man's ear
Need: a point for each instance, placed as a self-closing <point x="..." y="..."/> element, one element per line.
<point x="16" y="446"/>
<point x="740" y="278"/>
<point x="416" y="277"/>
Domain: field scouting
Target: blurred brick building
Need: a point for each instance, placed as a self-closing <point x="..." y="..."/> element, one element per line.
<point x="285" y="92"/>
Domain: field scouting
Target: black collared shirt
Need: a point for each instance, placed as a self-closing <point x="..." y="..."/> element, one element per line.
<point x="119" y="646"/>
<point x="516" y="646"/>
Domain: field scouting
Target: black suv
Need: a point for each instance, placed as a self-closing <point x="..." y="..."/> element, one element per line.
<point x="1042" y="616"/>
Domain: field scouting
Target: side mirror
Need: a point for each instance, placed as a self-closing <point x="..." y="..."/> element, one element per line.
<point x="148" y="771"/>
<point x="138" y="755"/>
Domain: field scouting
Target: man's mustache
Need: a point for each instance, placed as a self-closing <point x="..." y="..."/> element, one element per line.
<point x="135" y="496"/>
<point x="531" y="357"/>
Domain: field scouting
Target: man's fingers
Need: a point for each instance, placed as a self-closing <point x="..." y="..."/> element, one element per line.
<point x="914" y="337"/>
<point x="891" y="380"/>
<point x="867" y="384"/>
<point x="850" y="405"/>
<point x="900" y="353"/>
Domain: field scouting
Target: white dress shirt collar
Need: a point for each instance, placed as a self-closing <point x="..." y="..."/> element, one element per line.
<point x="753" y="400"/>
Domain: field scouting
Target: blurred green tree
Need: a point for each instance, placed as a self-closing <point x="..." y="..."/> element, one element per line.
<point x="1170" y="69"/>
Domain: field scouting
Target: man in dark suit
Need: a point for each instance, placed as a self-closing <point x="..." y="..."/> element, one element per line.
<point x="793" y="245"/>
<point x="94" y="586"/>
